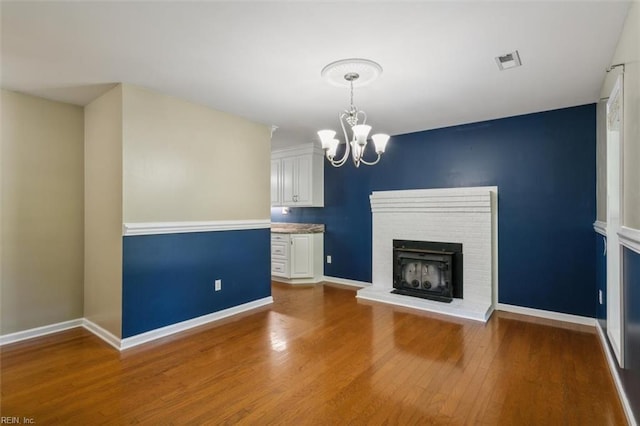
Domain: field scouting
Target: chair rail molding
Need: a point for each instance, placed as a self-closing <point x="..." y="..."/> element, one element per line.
<point x="630" y="238"/>
<point x="155" y="228"/>
<point x="600" y="227"/>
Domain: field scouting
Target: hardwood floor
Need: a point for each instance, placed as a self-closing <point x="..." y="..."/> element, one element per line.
<point x="319" y="356"/>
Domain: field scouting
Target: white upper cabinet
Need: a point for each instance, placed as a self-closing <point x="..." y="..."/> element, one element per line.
<point x="297" y="177"/>
<point x="276" y="182"/>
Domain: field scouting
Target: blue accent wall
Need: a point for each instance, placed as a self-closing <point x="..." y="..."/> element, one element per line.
<point x="169" y="278"/>
<point x="544" y="167"/>
<point x="631" y="287"/>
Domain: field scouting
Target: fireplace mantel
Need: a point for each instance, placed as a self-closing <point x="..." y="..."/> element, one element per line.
<point x="459" y="215"/>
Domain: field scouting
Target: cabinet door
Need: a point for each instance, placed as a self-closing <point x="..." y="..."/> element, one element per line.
<point x="303" y="180"/>
<point x="288" y="181"/>
<point x="301" y="259"/>
<point x="276" y="182"/>
<point x="297" y="180"/>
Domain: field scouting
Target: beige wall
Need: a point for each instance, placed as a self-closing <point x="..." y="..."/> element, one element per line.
<point x="628" y="52"/>
<point x="42" y="212"/>
<point x="103" y="211"/>
<point x="186" y="162"/>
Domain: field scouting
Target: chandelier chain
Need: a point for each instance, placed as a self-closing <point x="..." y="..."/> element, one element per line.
<point x="352" y="112"/>
<point x="351" y="83"/>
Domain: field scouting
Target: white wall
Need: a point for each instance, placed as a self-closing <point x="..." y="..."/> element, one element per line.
<point x="42" y="212"/>
<point x="628" y="52"/>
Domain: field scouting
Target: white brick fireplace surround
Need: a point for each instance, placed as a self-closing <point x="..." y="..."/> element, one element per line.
<point x="456" y="215"/>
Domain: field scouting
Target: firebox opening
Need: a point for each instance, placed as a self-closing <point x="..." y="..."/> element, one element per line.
<point x="431" y="270"/>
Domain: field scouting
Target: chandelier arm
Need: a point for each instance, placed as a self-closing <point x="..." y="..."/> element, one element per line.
<point x="340" y="162"/>
<point x="377" y="160"/>
<point x="334" y="164"/>
<point x="364" y="115"/>
<point x="357" y="159"/>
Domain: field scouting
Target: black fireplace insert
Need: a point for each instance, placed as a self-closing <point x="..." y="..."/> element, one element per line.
<point x="427" y="269"/>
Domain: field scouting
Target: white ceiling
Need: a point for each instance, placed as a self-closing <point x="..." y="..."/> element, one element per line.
<point x="262" y="60"/>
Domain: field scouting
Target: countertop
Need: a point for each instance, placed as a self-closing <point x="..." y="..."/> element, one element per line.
<point x="297" y="228"/>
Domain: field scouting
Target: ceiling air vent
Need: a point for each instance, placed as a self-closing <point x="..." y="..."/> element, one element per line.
<point x="509" y="60"/>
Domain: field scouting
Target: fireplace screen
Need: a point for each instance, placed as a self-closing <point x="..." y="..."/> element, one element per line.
<point x="426" y="269"/>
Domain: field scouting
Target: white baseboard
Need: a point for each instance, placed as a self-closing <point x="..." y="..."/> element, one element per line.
<point x="100" y="332"/>
<point x="611" y="362"/>
<point x="296" y="281"/>
<point x="129" y="342"/>
<point x="456" y="308"/>
<point x="39" y="331"/>
<point x="158" y="333"/>
<point x="576" y="319"/>
<point x="345" y="281"/>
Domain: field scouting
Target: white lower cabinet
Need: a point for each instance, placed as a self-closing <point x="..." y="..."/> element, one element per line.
<point x="297" y="258"/>
<point x="302" y="255"/>
<point x="279" y="255"/>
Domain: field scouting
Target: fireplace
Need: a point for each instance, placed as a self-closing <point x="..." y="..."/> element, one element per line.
<point x="468" y="216"/>
<point x="431" y="270"/>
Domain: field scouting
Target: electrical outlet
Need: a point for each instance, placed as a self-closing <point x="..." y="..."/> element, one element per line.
<point x="329" y="259"/>
<point x="218" y="285"/>
<point x="600" y="296"/>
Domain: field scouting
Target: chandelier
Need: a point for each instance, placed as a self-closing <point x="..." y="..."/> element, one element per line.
<point x="348" y="72"/>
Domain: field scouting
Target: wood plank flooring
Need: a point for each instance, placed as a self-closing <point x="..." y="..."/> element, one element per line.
<point x="320" y="356"/>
